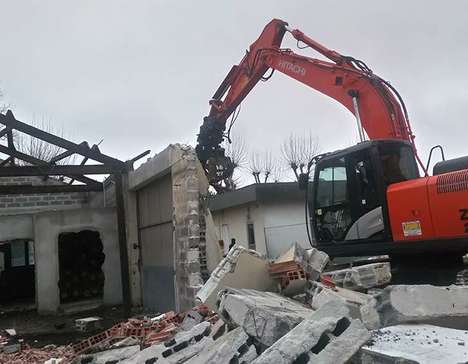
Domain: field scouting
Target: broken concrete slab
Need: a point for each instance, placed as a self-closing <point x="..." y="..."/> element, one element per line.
<point x="362" y="277"/>
<point x="10" y="332"/>
<point x="326" y="336"/>
<point x="88" y="324"/>
<point x="236" y="271"/>
<point x="183" y="338"/>
<point x="183" y="346"/>
<point x="319" y="295"/>
<point x="416" y="304"/>
<point x="153" y="352"/>
<point x="188" y="352"/>
<point x="192" y="318"/>
<point x="411" y="343"/>
<point x="54" y="361"/>
<point x="112" y="355"/>
<point x="218" y="329"/>
<point x="128" y="341"/>
<point x="264" y="315"/>
<point x="234" y="347"/>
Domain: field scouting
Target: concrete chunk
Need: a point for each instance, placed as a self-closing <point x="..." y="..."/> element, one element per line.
<point x="236" y="271"/>
<point x="184" y="345"/>
<point x="362" y="277"/>
<point x="192" y="318"/>
<point x="188" y="352"/>
<point x="417" y="304"/>
<point x="327" y="336"/>
<point x="311" y="261"/>
<point x="186" y="338"/>
<point x="88" y="323"/>
<point x="113" y="355"/>
<point x="319" y="295"/>
<point x="234" y="347"/>
<point x="264" y="315"/>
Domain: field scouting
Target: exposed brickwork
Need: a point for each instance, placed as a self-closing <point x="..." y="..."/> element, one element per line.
<point x="187" y="232"/>
<point x="24" y="203"/>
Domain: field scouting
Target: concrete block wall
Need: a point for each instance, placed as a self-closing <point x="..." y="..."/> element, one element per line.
<point x="187" y="232"/>
<point x="14" y="204"/>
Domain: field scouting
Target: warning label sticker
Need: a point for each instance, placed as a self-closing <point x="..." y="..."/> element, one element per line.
<point x="412" y="228"/>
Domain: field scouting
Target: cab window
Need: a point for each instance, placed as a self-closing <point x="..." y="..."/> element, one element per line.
<point x="332" y="208"/>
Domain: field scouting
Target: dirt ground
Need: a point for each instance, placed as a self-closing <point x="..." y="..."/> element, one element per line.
<point x="39" y="330"/>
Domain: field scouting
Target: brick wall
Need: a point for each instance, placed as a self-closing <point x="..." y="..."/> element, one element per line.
<point x="37" y="202"/>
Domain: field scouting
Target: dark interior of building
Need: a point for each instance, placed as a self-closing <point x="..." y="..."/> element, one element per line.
<point x="17" y="283"/>
<point x="80" y="266"/>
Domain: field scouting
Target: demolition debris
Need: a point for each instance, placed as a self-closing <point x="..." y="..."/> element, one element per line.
<point x="290" y="310"/>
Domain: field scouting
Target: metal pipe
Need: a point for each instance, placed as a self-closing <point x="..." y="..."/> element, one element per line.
<point x="358" y="119"/>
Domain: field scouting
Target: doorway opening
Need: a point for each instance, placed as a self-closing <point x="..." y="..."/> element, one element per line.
<point x="81" y="258"/>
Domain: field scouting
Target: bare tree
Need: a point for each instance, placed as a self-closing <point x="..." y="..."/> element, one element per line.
<point x="298" y="151"/>
<point x="38" y="148"/>
<point x="236" y="150"/>
<point x="35" y="147"/>
<point x="3" y="106"/>
<point x="264" y="167"/>
<point x="255" y="166"/>
<point x="277" y="172"/>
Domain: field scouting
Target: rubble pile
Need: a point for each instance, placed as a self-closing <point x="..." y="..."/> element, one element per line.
<point x="291" y="310"/>
<point x="49" y="354"/>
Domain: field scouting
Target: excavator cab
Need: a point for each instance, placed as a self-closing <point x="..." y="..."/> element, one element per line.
<point x="349" y="194"/>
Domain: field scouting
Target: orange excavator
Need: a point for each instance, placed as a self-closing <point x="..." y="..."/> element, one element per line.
<point x="367" y="199"/>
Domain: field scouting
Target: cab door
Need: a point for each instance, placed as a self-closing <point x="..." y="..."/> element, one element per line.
<point x="346" y="202"/>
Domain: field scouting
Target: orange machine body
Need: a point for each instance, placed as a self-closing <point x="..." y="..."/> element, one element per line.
<point x="429" y="208"/>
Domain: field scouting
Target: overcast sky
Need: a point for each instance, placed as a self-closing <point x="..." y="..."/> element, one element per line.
<point x="139" y="73"/>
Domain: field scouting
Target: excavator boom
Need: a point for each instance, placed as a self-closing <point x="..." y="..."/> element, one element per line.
<point x="378" y="108"/>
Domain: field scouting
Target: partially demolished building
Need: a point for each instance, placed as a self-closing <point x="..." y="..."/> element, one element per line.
<point x="65" y="246"/>
<point x="170" y="231"/>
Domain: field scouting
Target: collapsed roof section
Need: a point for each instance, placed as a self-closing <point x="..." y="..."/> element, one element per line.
<point x="39" y="167"/>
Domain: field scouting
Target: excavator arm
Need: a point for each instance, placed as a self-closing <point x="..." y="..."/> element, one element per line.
<point x="377" y="106"/>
